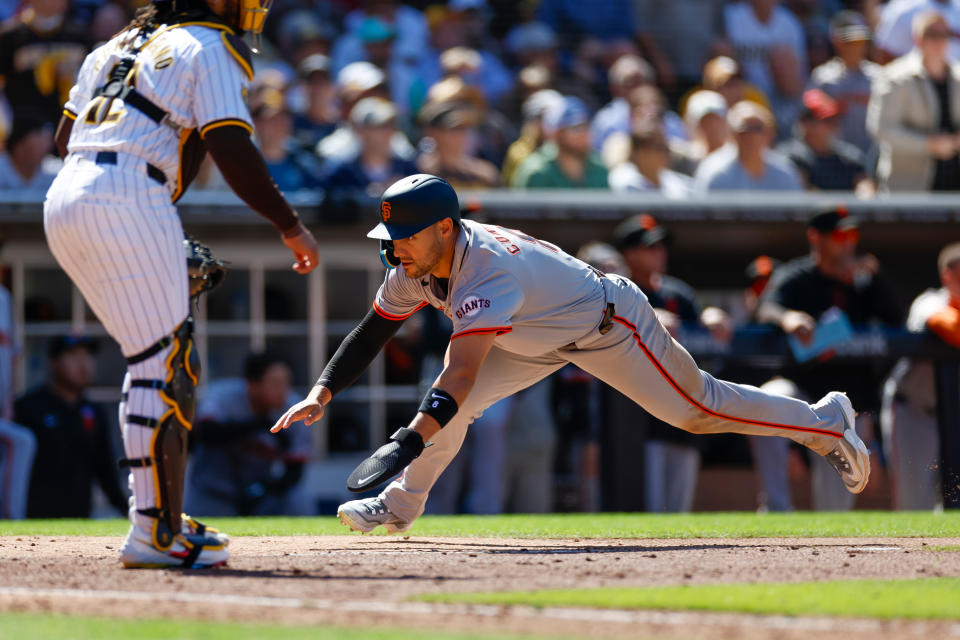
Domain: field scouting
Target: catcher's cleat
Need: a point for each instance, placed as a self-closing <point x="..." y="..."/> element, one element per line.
<point x="190" y="526"/>
<point x="188" y="551"/>
<point x="368" y="514"/>
<point x="850" y="457"/>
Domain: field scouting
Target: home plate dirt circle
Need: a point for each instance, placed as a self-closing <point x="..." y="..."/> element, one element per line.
<point x="367" y="581"/>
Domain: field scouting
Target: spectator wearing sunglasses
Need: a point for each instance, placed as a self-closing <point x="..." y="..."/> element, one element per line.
<point x="831" y="276"/>
<point x="747" y="163"/>
<point x="914" y="114"/>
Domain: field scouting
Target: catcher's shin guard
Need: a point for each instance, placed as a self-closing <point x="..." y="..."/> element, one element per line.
<point x="168" y="445"/>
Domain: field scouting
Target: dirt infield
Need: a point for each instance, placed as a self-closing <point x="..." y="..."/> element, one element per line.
<point x="363" y="581"/>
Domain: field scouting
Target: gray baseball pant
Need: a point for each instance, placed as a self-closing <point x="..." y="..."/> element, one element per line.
<point x="641" y="360"/>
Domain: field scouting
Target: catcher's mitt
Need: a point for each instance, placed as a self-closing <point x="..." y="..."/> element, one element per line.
<point x="204" y="270"/>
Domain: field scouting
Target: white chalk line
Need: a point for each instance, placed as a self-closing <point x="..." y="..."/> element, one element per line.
<point x="666" y="618"/>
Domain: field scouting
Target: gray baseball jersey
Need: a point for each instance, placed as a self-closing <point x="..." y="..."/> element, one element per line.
<point x="535" y="297"/>
<point x="546" y="308"/>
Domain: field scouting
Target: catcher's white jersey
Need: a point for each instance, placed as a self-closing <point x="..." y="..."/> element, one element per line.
<point x="192" y="71"/>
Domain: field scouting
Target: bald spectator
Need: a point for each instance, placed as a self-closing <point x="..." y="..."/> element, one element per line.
<point x="648" y="166"/>
<point x="914" y="114"/>
<point x="724" y="75"/>
<point x="625" y="75"/>
<point x="461" y="33"/>
<point x="449" y="129"/>
<point x="565" y="161"/>
<point x="747" y="163"/>
<point x="769" y="42"/>
<point x="491" y="132"/>
<point x="847" y="77"/>
<point x="477" y="70"/>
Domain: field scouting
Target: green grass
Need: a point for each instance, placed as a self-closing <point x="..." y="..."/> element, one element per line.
<point x="934" y="598"/>
<point x="572" y="525"/>
<point x="945" y="547"/>
<point x="28" y="626"/>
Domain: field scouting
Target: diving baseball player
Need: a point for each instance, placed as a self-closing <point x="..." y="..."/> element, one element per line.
<point x="521" y="309"/>
<point x="145" y="108"/>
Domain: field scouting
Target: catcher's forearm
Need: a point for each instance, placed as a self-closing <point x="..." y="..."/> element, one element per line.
<point x="243" y="168"/>
<point x="357" y="351"/>
<point x="62" y="136"/>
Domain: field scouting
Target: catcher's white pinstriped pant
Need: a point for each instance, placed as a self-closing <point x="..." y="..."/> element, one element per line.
<point x="640" y="359"/>
<point x="116" y="234"/>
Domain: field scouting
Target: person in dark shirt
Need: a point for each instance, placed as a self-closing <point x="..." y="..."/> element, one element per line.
<point x="73" y="441"/>
<point x="672" y="456"/>
<point x="825" y="162"/>
<point x="237" y="468"/>
<point x="799" y="292"/>
<point x="40" y="55"/>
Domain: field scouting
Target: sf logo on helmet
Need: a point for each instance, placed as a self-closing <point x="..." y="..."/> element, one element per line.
<point x="385" y="211"/>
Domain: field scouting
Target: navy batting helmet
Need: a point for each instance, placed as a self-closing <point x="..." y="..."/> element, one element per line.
<point x="410" y="205"/>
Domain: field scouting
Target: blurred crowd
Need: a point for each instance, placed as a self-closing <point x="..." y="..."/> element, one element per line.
<point x="682" y="98"/>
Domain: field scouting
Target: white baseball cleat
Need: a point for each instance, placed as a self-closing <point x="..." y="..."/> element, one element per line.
<point x="187" y="551"/>
<point x="850" y="457"/>
<point x="368" y="514"/>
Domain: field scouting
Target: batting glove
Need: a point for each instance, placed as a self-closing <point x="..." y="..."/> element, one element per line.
<point x="387" y="461"/>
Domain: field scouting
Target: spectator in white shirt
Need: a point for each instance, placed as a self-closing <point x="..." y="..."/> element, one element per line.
<point x="748" y="163"/>
<point x="647" y="169"/>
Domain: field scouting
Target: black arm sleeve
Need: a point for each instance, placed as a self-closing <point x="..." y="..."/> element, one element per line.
<point x="357" y="351"/>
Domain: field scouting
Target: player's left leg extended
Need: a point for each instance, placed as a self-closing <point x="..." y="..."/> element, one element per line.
<point x="641" y="360"/>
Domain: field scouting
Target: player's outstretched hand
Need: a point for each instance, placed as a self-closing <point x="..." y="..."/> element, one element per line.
<point x="387" y="461"/>
<point x="310" y="409"/>
<point x="304" y="248"/>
